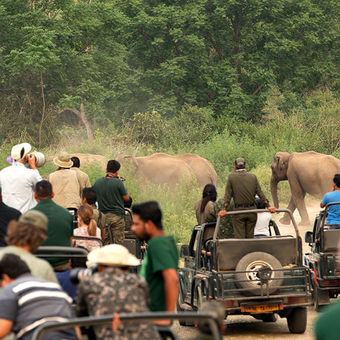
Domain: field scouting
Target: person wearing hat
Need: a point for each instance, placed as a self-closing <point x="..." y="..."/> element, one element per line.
<point x="23" y="239"/>
<point x="113" y="289"/>
<point x="65" y="182"/>
<point x="17" y="181"/>
<point x="111" y="195"/>
<point x="243" y="186"/>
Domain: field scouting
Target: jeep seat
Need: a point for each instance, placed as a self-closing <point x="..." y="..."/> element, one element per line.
<point x="230" y="251"/>
<point x="331" y="238"/>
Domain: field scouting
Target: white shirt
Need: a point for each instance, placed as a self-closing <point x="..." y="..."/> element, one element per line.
<point x="262" y="223"/>
<point x="17" y="184"/>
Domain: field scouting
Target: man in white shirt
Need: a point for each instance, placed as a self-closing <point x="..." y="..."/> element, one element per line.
<point x="17" y="181"/>
<point x="263" y="219"/>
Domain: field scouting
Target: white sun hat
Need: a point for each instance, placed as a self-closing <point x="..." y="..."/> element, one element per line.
<point x="112" y="255"/>
<point x="19" y="151"/>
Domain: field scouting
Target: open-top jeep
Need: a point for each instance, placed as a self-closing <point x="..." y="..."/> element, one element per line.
<point x="259" y="276"/>
<point x="323" y="261"/>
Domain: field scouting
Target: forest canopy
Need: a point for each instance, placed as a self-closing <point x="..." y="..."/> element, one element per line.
<point x="108" y="63"/>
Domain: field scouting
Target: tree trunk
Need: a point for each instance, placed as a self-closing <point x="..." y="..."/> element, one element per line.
<point x="43" y="108"/>
<point x="82" y="117"/>
<point x="86" y="122"/>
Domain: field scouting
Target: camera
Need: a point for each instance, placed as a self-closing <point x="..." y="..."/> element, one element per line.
<point x="78" y="274"/>
<point x="39" y="158"/>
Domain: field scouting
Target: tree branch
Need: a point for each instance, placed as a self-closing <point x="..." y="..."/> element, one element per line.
<point x="257" y="90"/>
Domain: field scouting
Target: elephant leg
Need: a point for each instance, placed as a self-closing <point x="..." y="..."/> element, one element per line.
<point x="286" y="218"/>
<point x="298" y="195"/>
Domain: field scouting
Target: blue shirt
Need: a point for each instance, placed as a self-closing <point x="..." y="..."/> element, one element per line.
<point x="334" y="210"/>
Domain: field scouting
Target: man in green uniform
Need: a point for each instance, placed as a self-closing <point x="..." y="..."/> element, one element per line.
<point x="111" y="194"/>
<point x="242" y="186"/>
<point x="160" y="264"/>
<point x="60" y="223"/>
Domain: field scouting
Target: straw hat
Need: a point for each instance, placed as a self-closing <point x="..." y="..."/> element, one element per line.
<point x="63" y="160"/>
<point x="114" y="255"/>
<point x="19" y="151"/>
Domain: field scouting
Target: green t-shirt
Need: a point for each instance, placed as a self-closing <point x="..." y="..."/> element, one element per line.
<point x="162" y="254"/>
<point x="327" y="326"/>
<point x="59" y="229"/>
<point x="110" y="192"/>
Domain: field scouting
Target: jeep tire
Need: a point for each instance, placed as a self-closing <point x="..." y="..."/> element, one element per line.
<point x="250" y="281"/>
<point x="297" y="320"/>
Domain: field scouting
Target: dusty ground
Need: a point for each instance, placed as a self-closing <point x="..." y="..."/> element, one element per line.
<point x="246" y="327"/>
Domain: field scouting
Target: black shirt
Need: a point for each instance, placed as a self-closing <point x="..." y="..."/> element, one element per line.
<point x="7" y="214"/>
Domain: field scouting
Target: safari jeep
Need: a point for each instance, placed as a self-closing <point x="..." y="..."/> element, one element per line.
<point x="323" y="261"/>
<point x="258" y="276"/>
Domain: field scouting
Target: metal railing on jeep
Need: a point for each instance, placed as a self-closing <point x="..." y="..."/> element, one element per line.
<point x="131" y="317"/>
<point x="260" y="211"/>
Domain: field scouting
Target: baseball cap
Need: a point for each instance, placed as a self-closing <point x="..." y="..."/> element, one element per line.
<point x="19" y="151"/>
<point x="36" y="218"/>
<point x="112" y="255"/>
<point x="240" y="163"/>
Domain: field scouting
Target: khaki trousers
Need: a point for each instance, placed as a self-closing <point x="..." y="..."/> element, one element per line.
<point x="117" y="225"/>
<point x="244" y="225"/>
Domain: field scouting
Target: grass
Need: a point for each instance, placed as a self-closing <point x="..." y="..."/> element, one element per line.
<point x="312" y="127"/>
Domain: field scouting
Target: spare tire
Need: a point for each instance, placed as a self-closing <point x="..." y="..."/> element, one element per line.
<point x="255" y="265"/>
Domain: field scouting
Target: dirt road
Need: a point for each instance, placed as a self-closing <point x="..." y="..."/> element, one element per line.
<point x="247" y="328"/>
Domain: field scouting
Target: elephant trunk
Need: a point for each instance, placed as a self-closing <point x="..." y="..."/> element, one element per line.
<point x="273" y="189"/>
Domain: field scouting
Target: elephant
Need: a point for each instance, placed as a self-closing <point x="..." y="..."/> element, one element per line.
<point x="160" y="168"/>
<point x="307" y="172"/>
<point x="88" y="158"/>
<point x="201" y="167"/>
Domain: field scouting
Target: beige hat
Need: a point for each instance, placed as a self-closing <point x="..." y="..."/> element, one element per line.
<point x="63" y="160"/>
<point x="35" y="217"/>
<point x="112" y="255"/>
<point x="19" y="151"/>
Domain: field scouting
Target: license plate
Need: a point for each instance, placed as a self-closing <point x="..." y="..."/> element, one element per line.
<point x="262" y="308"/>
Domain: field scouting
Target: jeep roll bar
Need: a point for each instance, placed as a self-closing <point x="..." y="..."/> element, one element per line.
<point x="238" y="212"/>
<point x="57" y="251"/>
<point x="131" y="317"/>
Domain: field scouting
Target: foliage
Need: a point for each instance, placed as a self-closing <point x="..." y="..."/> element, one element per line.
<point x="116" y="58"/>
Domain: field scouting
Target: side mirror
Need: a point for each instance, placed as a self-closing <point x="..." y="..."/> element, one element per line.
<point x="309" y="237"/>
<point x="184" y="251"/>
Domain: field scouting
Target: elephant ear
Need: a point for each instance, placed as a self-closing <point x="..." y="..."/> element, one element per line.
<point x="281" y="161"/>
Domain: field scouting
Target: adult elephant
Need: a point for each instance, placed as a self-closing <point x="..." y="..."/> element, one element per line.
<point x="158" y="168"/>
<point x="161" y="168"/>
<point x="89" y="159"/>
<point x="201" y="167"/>
<point x="307" y="172"/>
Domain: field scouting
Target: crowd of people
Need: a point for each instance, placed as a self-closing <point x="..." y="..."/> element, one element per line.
<point x="65" y="210"/>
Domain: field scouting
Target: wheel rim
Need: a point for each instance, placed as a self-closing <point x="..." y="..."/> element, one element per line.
<point x="252" y="271"/>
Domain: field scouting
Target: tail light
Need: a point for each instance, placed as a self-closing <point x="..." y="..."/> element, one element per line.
<point x="297" y="299"/>
<point x="330" y="283"/>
